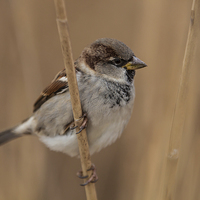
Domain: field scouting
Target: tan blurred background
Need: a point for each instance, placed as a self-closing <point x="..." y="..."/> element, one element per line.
<point x="30" y="56"/>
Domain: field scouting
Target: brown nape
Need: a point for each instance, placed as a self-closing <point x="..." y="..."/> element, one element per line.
<point x="97" y="53"/>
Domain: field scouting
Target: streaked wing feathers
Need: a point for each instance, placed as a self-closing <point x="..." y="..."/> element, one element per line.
<point x="59" y="85"/>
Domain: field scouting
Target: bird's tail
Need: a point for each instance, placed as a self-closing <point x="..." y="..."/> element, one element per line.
<point x="8" y="135"/>
<point x="16" y="132"/>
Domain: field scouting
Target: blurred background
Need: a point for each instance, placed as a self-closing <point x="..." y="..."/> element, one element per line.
<point x="30" y="56"/>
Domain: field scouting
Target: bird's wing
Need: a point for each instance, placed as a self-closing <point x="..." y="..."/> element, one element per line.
<point x="59" y="85"/>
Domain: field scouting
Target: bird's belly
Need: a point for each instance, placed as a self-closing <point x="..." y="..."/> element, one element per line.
<point x="99" y="136"/>
<point x="104" y="127"/>
<point x="66" y="143"/>
<point x="110" y="128"/>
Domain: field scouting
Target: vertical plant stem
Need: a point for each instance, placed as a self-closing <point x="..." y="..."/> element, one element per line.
<point x="74" y="93"/>
<point x="172" y="159"/>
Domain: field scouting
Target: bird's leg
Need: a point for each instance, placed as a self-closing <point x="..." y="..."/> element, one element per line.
<point x="72" y="126"/>
<point x="80" y="175"/>
<point x="84" y="123"/>
<point x="93" y="178"/>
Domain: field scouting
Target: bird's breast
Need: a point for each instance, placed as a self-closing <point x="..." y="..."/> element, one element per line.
<point x="108" y="106"/>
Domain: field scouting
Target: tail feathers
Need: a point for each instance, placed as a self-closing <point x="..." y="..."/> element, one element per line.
<point x="7" y="136"/>
<point x="23" y="129"/>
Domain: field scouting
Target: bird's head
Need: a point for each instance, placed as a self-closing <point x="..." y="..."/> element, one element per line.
<point x="110" y="58"/>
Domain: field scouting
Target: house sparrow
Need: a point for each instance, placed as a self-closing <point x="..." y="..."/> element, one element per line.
<point x="105" y="73"/>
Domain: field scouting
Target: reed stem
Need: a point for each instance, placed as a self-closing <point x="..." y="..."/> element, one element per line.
<point x="74" y="93"/>
<point x="175" y="139"/>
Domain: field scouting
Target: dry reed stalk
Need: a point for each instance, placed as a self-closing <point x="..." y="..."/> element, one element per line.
<point x="74" y="93"/>
<point x="171" y="161"/>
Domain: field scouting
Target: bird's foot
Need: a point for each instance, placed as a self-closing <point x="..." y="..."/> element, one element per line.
<point x="93" y="178"/>
<point x="72" y="126"/>
<point x="84" y="123"/>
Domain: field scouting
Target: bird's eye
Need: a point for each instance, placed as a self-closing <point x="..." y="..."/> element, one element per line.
<point x="117" y="61"/>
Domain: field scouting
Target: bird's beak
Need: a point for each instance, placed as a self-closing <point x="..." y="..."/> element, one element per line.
<point x="136" y="63"/>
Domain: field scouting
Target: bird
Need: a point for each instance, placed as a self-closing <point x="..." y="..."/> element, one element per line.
<point x="105" y="73"/>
